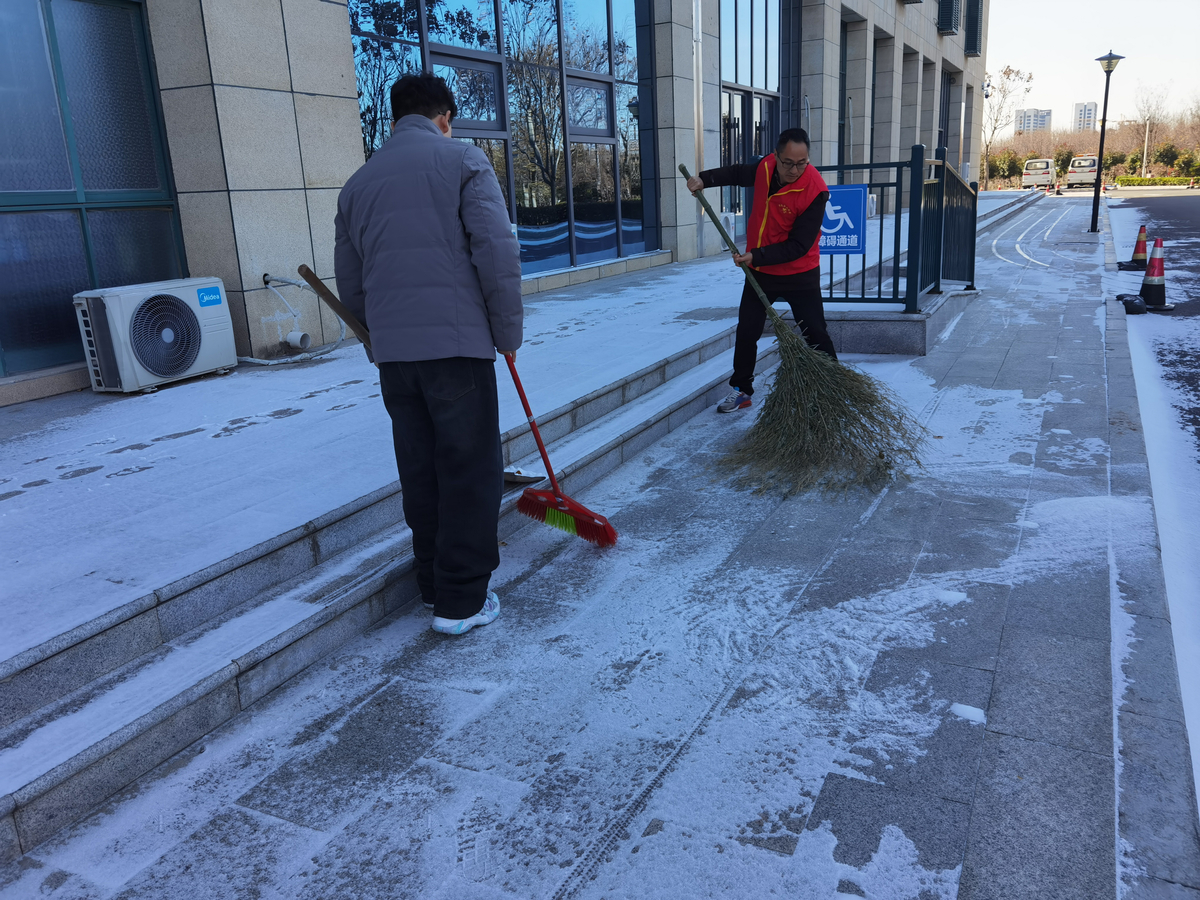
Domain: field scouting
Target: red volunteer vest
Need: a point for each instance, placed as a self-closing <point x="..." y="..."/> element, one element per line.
<point x="772" y="217"/>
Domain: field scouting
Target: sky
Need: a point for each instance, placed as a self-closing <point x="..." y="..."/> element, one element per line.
<point x="1061" y="51"/>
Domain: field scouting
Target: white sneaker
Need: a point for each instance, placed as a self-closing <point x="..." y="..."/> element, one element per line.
<point x="486" y="616"/>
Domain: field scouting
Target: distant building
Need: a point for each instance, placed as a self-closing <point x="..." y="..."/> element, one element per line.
<point x="1084" y="118"/>
<point x="1032" y="120"/>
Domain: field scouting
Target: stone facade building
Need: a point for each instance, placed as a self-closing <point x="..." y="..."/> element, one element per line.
<point x="143" y="140"/>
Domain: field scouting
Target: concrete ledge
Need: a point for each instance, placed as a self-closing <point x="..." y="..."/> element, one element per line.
<point x="908" y="334"/>
<point x="43" y="383"/>
<point x="556" y="279"/>
<point x="1006" y="212"/>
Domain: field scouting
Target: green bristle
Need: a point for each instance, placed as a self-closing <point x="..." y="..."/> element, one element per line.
<point x="561" y="520"/>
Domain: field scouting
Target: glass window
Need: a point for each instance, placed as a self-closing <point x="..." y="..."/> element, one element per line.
<point x="624" y="40"/>
<point x="462" y="23"/>
<point x="585" y="35"/>
<point x="33" y="153"/>
<point x="772" y="45"/>
<point x="474" y="89"/>
<point x="377" y="66"/>
<point x="107" y="85"/>
<point x="728" y="40"/>
<point x="587" y="106"/>
<point x="759" y="44"/>
<point x="386" y="18"/>
<point x="42" y="265"/>
<point x="133" y="246"/>
<point x="539" y="169"/>
<point x="629" y="166"/>
<point x="531" y="31"/>
<point x="595" y="196"/>
<point x="743" y="41"/>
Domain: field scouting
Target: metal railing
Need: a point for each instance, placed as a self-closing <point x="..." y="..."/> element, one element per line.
<point x="941" y="208"/>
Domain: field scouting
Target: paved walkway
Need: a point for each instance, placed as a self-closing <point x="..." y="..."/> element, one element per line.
<point x="960" y="687"/>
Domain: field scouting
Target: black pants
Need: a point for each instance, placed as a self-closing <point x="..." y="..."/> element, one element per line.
<point x="803" y="294"/>
<point x="446" y="428"/>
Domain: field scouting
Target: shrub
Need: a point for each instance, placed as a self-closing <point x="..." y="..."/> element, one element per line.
<point x="1133" y="181"/>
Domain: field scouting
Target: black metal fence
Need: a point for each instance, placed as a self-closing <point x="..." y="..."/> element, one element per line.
<point x="942" y="210"/>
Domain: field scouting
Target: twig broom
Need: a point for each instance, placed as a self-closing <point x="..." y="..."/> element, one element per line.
<point x="822" y="423"/>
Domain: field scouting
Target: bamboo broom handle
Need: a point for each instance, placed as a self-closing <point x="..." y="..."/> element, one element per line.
<point x="733" y="248"/>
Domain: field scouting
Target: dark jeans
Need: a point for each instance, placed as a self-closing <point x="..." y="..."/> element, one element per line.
<point x="803" y="294"/>
<point x="446" y="427"/>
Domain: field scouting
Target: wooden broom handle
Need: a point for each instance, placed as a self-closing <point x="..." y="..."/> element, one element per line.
<point x="339" y="308"/>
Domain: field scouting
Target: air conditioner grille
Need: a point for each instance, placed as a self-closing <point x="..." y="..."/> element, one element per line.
<point x="165" y="335"/>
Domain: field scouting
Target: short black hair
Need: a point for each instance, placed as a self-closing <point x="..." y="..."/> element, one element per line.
<point x="422" y="95"/>
<point x="788" y="136"/>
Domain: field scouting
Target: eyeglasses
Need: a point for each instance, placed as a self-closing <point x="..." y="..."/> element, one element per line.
<point x="789" y="165"/>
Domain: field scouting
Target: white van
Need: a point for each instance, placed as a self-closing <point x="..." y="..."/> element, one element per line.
<point x="1038" y="173"/>
<point x="1082" y="171"/>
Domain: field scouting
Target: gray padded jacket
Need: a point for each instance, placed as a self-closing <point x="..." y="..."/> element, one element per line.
<point x="425" y="255"/>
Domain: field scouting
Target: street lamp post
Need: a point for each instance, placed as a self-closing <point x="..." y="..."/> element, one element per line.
<point x="1107" y="63"/>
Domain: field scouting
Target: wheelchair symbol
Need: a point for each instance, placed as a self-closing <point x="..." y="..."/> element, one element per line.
<point x="834" y="214"/>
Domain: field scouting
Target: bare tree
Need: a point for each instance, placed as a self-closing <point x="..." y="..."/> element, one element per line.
<point x="1002" y="94"/>
<point x="1151" y="106"/>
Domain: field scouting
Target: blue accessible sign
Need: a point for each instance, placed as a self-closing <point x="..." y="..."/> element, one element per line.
<point x="845" y="227"/>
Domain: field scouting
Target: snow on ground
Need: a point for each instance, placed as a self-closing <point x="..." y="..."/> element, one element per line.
<point x="605" y="657"/>
<point x="1173" y="451"/>
<point x="103" y="507"/>
<point x="1174" y="455"/>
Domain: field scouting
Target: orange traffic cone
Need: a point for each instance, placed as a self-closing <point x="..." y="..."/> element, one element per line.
<point x="1154" y="287"/>
<point x="1191" y="184"/>
<point x="1048" y="186"/>
<point x="1138" y="262"/>
<point x="1057" y="191"/>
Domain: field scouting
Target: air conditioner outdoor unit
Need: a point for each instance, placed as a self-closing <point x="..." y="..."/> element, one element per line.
<point x="142" y="335"/>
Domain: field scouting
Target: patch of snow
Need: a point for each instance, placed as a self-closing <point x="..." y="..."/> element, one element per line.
<point x="1175" y="476"/>
<point x="970" y="713"/>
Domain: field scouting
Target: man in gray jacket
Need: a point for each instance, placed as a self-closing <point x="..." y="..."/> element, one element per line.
<point x="425" y="256"/>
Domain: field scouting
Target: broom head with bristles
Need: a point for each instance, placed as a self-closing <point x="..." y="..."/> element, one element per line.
<point x="565" y="514"/>
<point x="825" y="424"/>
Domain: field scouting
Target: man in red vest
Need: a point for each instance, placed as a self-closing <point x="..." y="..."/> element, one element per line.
<point x="783" y="247"/>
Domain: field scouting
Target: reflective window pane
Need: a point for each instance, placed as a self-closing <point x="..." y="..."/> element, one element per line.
<point x="585" y="35"/>
<point x="103" y="62"/>
<point x="629" y="167"/>
<point x="133" y="246"/>
<point x="377" y="66"/>
<point x="595" y="197"/>
<point x="474" y="92"/>
<point x="494" y="150"/>
<point x="728" y="40"/>
<point x="387" y="18"/>
<point x="743" y="41"/>
<point x="624" y="40"/>
<point x="42" y="266"/>
<point x="463" y="23"/>
<point x="759" y="43"/>
<point x="588" y="107"/>
<point x="772" y="45"/>
<point x="539" y="171"/>
<point x="531" y="31"/>
<point x="33" y="153"/>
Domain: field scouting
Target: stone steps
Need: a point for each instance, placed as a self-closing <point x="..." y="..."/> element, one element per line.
<point x="118" y="698"/>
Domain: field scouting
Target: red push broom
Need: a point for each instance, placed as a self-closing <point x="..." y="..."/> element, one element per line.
<point x="553" y="506"/>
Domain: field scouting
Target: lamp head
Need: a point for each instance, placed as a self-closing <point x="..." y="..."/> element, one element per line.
<point x="1109" y="61"/>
